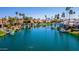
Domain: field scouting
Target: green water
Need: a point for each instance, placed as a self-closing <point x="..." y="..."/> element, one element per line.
<point x="39" y="39"/>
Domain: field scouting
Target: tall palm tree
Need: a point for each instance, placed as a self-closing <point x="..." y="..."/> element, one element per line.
<point x="16" y="14"/>
<point x="20" y="14"/>
<point x="46" y="17"/>
<point x="23" y="15"/>
<point x="68" y="9"/>
<point x="74" y="13"/>
<point x="55" y="17"/>
<point x="71" y="12"/>
<point x="63" y="15"/>
<point x="58" y="16"/>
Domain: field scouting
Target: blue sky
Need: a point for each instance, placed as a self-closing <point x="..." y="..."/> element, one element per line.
<point x="36" y="12"/>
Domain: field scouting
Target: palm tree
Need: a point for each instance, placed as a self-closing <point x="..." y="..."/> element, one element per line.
<point x="74" y="13"/>
<point x="63" y="15"/>
<point x="16" y="14"/>
<point x="20" y="14"/>
<point x="30" y="18"/>
<point x="23" y="15"/>
<point x="58" y="16"/>
<point x="71" y="12"/>
<point x="68" y="9"/>
<point x="46" y="17"/>
<point x="55" y="17"/>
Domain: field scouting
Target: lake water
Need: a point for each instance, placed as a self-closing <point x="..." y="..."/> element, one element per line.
<point x="39" y="39"/>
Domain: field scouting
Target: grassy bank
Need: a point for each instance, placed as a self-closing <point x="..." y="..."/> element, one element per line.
<point x="2" y="33"/>
<point x="45" y="24"/>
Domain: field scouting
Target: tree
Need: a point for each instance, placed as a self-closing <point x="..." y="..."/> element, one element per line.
<point x="63" y="15"/>
<point x="74" y="13"/>
<point x="58" y="16"/>
<point x="26" y="18"/>
<point x="16" y="15"/>
<point x="68" y="9"/>
<point x="20" y="14"/>
<point x="71" y="12"/>
<point x="30" y="18"/>
<point x="23" y="15"/>
<point x="46" y="17"/>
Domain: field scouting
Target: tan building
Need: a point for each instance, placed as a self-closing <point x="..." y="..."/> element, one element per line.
<point x="20" y="21"/>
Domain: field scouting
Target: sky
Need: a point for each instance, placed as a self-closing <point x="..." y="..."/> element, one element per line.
<point x="35" y="12"/>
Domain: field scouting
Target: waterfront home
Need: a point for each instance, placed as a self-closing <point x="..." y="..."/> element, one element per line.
<point x="35" y="21"/>
<point x="71" y="22"/>
<point x="1" y="23"/>
<point x="20" y="21"/>
<point x="76" y="22"/>
<point x="46" y="21"/>
<point x="41" y="21"/>
<point x="31" y="21"/>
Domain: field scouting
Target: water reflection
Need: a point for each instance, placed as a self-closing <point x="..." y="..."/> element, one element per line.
<point x="40" y="39"/>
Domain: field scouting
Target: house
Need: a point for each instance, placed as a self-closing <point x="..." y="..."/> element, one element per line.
<point x="20" y="21"/>
<point x="1" y="23"/>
